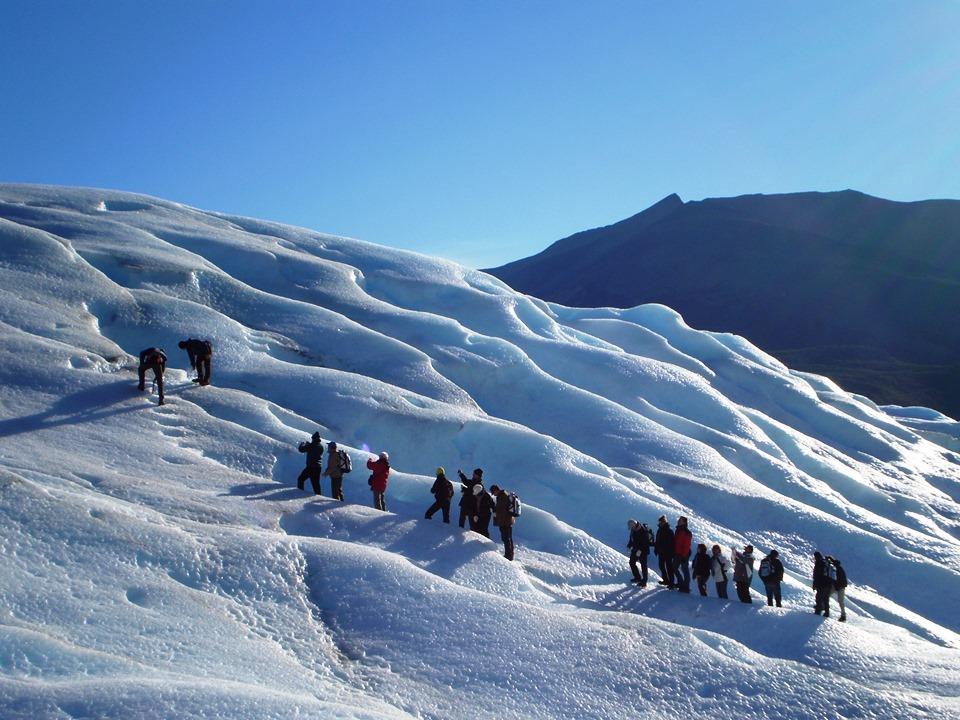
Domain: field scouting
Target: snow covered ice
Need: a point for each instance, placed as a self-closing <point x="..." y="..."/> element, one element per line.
<point x="159" y="562"/>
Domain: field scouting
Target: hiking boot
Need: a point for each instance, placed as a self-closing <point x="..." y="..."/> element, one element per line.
<point x="663" y="582"/>
<point x="842" y="618"/>
<point x="161" y="402"/>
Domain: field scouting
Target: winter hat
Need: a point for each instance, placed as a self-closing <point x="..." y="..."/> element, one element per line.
<point x="316" y="436"/>
<point x="332" y="444"/>
<point x="631" y="524"/>
<point x="663" y="519"/>
<point x="182" y="344"/>
<point x="478" y="471"/>
<point x="774" y="553"/>
<point x="477" y="489"/>
<point x="440" y="471"/>
<point x="384" y="456"/>
<point x="748" y="548"/>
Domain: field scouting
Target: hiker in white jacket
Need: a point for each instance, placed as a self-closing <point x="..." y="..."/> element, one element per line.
<point x="721" y="571"/>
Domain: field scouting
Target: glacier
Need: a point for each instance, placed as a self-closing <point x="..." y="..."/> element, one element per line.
<point x="159" y="562"/>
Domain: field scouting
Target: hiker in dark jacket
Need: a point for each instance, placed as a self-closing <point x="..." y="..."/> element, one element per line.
<point x="839" y="578"/>
<point x="639" y="545"/>
<point x="503" y="518"/>
<point x="442" y="494"/>
<point x="153" y="359"/>
<point x="482" y="511"/>
<point x="468" y="501"/>
<point x="721" y="571"/>
<point x="663" y="549"/>
<point x="334" y="471"/>
<point x="199" y="352"/>
<point x="771" y="573"/>
<point x="743" y="572"/>
<point x="314" y="452"/>
<point x="682" y="542"/>
<point x="378" y="481"/>
<point x="701" y="568"/>
<point x="822" y="585"/>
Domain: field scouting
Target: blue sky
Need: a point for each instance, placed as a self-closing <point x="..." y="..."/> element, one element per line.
<point x="478" y="131"/>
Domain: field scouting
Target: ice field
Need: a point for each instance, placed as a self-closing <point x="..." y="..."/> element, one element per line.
<point x="160" y="562"/>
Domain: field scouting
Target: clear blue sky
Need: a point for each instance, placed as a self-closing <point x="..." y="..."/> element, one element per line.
<point x="478" y="131"/>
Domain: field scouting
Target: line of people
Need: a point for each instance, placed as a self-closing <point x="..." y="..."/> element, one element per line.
<point x="476" y="504"/>
<point x="672" y="548"/>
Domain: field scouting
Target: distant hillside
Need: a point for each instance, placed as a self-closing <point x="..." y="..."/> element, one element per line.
<point x="861" y="289"/>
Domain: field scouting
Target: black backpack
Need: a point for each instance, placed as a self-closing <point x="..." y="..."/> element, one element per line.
<point x="841" y="582"/>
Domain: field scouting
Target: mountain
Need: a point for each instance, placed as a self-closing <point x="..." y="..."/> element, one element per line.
<point x="159" y="561"/>
<point x="854" y="287"/>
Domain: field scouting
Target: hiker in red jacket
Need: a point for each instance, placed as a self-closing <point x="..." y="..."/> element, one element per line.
<point x="378" y="481"/>
<point x="682" y="542"/>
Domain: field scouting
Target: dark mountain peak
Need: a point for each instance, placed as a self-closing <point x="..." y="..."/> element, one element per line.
<point x="808" y="274"/>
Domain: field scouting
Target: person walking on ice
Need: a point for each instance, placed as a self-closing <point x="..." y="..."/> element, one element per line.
<point x="663" y="549"/>
<point x="822" y="585"/>
<point x="314" y="453"/>
<point x="468" y="501"/>
<point x="338" y="464"/>
<point x="483" y="510"/>
<point x="682" y="542"/>
<point x="743" y="572"/>
<point x="442" y="490"/>
<point x="153" y="359"/>
<point x="641" y="538"/>
<point x="771" y="574"/>
<point x="380" y="466"/>
<point x="838" y="577"/>
<point x="701" y="568"/>
<point x="506" y="510"/>
<point x="721" y="571"/>
<point x="200" y="352"/>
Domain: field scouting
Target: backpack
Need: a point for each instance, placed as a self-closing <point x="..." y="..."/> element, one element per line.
<point x="344" y="461"/>
<point x="766" y="568"/>
<point x="650" y="537"/>
<point x="832" y="572"/>
<point x="515" y="507"/>
<point x="205" y="348"/>
<point x="841" y="582"/>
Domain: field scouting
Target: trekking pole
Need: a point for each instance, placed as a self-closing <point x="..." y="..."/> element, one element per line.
<point x="153" y="387"/>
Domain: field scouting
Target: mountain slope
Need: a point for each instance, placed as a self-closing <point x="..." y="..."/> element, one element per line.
<point x="860" y="289"/>
<point x="160" y="562"/>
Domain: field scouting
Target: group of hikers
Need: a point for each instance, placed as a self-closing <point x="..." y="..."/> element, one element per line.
<point x="476" y="504"/>
<point x="199" y="352"/>
<point x="673" y="548"/>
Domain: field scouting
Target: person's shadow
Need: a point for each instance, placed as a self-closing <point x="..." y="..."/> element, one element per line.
<point x="84" y="406"/>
